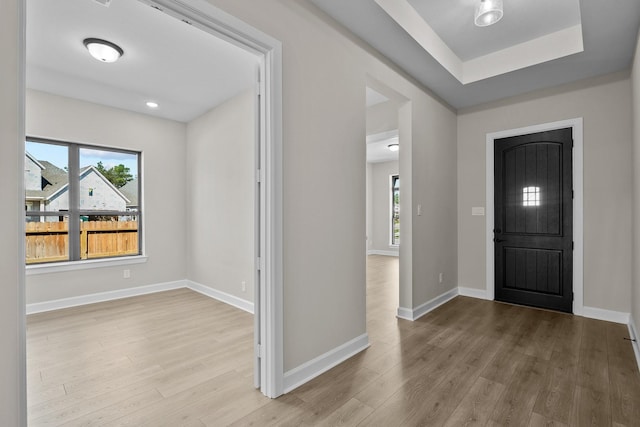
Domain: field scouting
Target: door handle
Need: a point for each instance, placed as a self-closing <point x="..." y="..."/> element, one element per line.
<point x="498" y="240"/>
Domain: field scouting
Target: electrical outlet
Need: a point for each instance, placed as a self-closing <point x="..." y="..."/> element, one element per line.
<point x="441" y="277"/>
<point x="244" y="286"/>
<point x="126" y="273"/>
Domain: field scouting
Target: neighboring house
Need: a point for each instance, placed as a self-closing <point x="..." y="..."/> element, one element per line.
<point x="47" y="189"/>
<point x="130" y="191"/>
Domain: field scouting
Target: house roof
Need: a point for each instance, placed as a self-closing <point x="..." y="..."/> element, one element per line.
<point x="130" y="190"/>
<point x="56" y="180"/>
<point x="53" y="179"/>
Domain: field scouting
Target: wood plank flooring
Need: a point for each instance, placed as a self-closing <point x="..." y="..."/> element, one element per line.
<point x="178" y="358"/>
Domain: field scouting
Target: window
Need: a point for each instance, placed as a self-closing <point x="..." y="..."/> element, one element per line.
<point x="531" y="196"/>
<point x="395" y="210"/>
<point x="91" y="193"/>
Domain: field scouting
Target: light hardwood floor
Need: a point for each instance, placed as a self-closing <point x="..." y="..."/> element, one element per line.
<point x="181" y="359"/>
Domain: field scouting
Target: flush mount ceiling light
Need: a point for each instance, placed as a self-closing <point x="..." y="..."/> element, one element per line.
<point x="103" y="50"/>
<point x="393" y="147"/>
<point x="152" y="104"/>
<point x="488" y="12"/>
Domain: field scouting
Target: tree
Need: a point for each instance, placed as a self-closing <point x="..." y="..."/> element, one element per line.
<point x="117" y="175"/>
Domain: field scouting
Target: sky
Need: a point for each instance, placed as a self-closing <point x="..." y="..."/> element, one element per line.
<point x="58" y="155"/>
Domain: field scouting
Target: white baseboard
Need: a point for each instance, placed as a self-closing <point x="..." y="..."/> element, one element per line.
<point x="405" y="313"/>
<point x="41" y="307"/>
<point x="421" y="310"/>
<point x="633" y="333"/>
<point x="608" y="315"/>
<point x="473" y="293"/>
<point x="589" y="312"/>
<point x="311" y="369"/>
<point x="240" y="303"/>
<point x="385" y="253"/>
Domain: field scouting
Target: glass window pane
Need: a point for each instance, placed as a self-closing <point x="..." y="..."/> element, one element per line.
<point x="108" y="180"/>
<point x="45" y="177"/>
<point x="47" y="240"/>
<point x="108" y="236"/>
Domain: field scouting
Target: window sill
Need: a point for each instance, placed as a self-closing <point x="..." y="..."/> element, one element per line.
<point x="59" y="267"/>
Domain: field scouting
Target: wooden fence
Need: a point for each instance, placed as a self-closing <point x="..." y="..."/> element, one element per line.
<point x="49" y="241"/>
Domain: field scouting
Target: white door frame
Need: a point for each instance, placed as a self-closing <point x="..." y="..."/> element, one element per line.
<point x="578" y="218"/>
<point x="203" y="15"/>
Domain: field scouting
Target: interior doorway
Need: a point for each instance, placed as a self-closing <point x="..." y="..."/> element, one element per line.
<point x="267" y="258"/>
<point x="383" y="208"/>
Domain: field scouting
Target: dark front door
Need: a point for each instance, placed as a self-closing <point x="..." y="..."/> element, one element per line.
<point x="533" y="220"/>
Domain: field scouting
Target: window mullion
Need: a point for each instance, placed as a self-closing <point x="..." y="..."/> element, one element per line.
<point x="74" y="202"/>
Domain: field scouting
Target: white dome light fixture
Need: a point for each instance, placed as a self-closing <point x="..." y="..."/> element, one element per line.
<point x="102" y="50"/>
<point x="152" y="104"/>
<point x="393" y="147"/>
<point x="488" y="12"/>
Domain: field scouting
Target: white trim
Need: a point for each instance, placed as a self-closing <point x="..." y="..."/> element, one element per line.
<point x="405" y="313"/>
<point x="606" y="315"/>
<point x="384" y="253"/>
<point x="633" y="334"/>
<point x="473" y="293"/>
<point x="59" y="267"/>
<point x="321" y="364"/>
<point x="41" y="307"/>
<point x="578" y="214"/>
<point x="422" y="309"/>
<point x="202" y="14"/>
<point x="224" y="297"/>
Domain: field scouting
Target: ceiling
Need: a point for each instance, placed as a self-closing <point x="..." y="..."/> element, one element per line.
<point x="378" y="147"/>
<point x="184" y="69"/>
<point x="537" y="44"/>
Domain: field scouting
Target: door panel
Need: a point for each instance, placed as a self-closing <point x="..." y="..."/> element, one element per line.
<point x="533" y="220"/>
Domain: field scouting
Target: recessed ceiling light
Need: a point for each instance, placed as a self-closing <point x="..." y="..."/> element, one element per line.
<point x="393" y="147"/>
<point x="488" y="12"/>
<point x="152" y="104"/>
<point x="103" y="50"/>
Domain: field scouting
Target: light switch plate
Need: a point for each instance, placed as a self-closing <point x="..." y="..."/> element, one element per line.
<point x="477" y="211"/>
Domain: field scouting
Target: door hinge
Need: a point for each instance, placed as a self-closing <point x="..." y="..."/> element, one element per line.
<point x="572" y="194"/>
<point x="572" y="297"/>
<point x="258" y="176"/>
<point x="259" y="262"/>
<point x="573" y="245"/>
<point x="259" y="351"/>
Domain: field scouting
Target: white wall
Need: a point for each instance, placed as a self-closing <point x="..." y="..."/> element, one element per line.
<point x="604" y="104"/>
<point x="324" y="113"/>
<point x="163" y="145"/>
<point x="380" y="185"/>
<point x="635" y="284"/>
<point x="220" y="195"/>
<point x="12" y="349"/>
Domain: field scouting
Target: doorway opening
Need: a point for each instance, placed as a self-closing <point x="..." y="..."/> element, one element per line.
<point x="383" y="208"/>
<point x="266" y="174"/>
